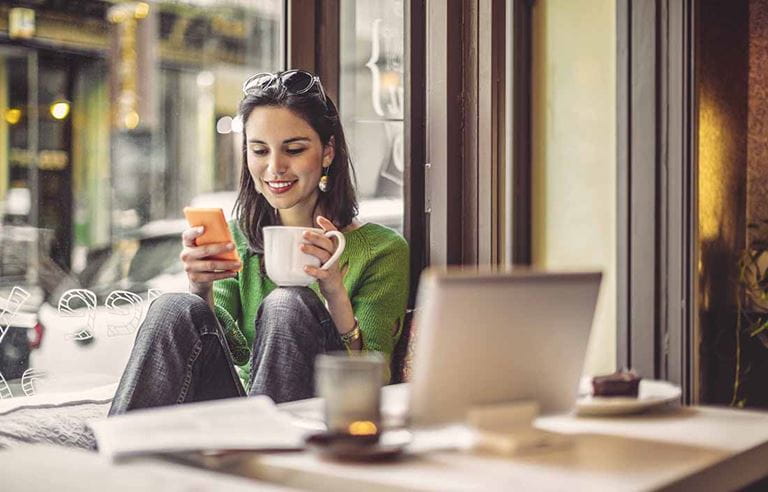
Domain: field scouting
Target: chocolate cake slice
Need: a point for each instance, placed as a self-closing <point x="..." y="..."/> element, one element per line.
<point x="622" y="383"/>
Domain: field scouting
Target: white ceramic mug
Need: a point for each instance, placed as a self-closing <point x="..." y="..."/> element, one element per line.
<point x="284" y="260"/>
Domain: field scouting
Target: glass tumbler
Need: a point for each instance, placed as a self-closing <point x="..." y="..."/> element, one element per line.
<point x="350" y="384"/>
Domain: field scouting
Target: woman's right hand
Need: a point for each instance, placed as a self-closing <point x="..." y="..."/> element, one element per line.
<point x="202" y="271"/>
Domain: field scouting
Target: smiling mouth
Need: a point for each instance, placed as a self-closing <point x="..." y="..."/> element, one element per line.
<point x="279" y="187"/>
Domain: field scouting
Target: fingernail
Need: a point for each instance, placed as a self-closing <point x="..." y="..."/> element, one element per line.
<point x="230" y="246"/>
<point x="200" y="229"/>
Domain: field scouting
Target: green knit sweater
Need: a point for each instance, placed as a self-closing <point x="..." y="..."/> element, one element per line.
<point x="375" y="265"/>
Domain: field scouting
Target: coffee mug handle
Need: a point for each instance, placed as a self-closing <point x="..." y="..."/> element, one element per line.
<point x="339" y="249"/>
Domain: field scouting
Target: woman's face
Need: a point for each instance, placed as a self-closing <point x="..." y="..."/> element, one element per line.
<point x="285" y="158"/>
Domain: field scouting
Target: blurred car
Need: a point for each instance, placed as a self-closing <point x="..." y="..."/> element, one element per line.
<point x="92" y="327"/>
<point x="20" y="330"/>
<point x="25" y="264"/>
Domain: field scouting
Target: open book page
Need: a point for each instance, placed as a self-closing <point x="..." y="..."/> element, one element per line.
<point x="252" y="423"/>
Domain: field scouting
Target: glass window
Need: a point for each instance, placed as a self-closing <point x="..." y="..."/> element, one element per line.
<point x="102" y="144"/>
<point x="371" y="103"/>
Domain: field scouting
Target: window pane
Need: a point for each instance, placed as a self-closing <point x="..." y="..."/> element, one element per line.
<point x="371" y="103"/>
<point x="105" y="135"/>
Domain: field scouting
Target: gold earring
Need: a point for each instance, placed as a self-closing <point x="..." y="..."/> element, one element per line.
<point x="323" y="184"/>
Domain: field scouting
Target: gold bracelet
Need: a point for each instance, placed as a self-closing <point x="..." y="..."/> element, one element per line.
<point x="352" y="335"/>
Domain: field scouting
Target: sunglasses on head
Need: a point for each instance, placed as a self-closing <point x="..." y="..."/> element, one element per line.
<point x="296" y="82"/>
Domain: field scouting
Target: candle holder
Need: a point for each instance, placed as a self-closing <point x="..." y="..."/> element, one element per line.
<point x="350" y="385"/>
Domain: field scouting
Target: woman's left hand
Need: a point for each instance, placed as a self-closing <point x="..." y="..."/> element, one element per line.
<point x="323" y="247"/>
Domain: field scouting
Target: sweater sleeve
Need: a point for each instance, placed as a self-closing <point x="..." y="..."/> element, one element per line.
<point x="380" y="301"/>
<point x="226" y="295"/>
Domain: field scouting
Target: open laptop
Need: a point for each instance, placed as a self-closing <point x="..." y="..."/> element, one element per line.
<point x="486" y="338"/>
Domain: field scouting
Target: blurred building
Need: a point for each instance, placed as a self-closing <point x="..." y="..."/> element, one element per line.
<point x="116" y="113"/>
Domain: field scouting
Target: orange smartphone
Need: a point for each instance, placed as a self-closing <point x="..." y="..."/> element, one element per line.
<point x="216" y="230"/>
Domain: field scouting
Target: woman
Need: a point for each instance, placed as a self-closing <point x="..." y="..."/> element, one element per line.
<point x="236" y="328"/>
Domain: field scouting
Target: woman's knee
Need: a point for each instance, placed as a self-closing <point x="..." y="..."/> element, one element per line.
<point x="292" y="308"/>
<point x="175" y="302"/>
<point x="291" y="300"/>
<point x="174" y="312"/>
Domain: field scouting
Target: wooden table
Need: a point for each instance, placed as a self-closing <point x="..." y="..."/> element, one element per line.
<point x="50" y="468"/>
<point x="691" y="448"/>
<point x="694" y="448"/>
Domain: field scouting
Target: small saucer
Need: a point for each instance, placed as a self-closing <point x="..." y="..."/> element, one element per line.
<point x="382" y="447"/>
<point x="652" y="394"/>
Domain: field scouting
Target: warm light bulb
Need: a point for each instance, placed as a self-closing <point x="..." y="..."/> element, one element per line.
<point x="12" y="116"/>
<point x="390" y="80"/>
<point x="59" y="110"/>
<point x="141" y="11"/>
<point x="131" y="120"/>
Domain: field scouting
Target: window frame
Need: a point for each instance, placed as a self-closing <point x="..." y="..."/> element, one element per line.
<point x="312" y="43"/>
<point x="657" y="192"/>
<point x="474" y="209"/>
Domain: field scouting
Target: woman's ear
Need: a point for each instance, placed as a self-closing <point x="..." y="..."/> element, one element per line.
<point x="329" y="152"/>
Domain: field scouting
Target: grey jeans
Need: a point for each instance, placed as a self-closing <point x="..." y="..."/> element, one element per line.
<point x="181" y="355"/>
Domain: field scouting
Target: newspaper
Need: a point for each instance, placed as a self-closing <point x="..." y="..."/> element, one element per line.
<point x="252" y="423"/>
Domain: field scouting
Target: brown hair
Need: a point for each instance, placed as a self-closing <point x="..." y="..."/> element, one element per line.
<point x="338" y="204"/>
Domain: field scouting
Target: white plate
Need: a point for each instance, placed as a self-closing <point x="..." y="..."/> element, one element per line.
<point x="651" y="394"/>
